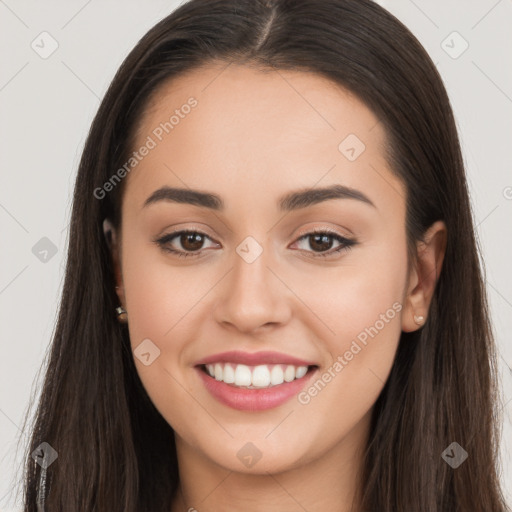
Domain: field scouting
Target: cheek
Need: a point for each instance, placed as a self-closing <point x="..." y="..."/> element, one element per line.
<point x="166" y="304"/>
<point x="160" y="300"/>
<point x="158" y="295"/>
<point x="352" y="297"/>
<point x="363" y="309"/>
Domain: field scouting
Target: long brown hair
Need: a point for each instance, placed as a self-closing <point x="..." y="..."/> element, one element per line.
<point x="115" y="451"/>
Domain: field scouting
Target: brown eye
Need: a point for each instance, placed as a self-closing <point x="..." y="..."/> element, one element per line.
<point x="321" y="243"/>
<point x="183" y="243"/>
<point x="191" y="241"/>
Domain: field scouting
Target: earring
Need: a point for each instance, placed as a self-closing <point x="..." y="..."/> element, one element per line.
<point x="122" y="315"/>
<point x="419" y="319"/>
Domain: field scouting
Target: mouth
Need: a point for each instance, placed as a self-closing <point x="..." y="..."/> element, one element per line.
<point x="254" y="388"/>
<point x="255" y="377"/>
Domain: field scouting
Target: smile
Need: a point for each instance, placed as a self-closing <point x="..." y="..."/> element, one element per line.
<point x="255" y="377"/>
<point x="254" y="388"/>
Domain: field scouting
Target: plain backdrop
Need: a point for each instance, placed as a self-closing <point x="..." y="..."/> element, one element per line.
<point x="47" y="103"/>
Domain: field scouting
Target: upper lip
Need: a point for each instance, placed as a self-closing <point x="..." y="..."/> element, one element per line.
<point x="254" y="358"/>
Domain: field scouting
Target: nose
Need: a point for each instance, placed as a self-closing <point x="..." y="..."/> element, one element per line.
<point x="253" y="296"/>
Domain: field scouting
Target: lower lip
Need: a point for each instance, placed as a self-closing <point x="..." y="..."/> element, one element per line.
<point x="245" y="399"/>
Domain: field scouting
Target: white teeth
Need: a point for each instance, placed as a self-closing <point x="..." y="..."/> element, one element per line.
<point x="261" y="376"/>
<point x="289" y="373"/>
<point x="229" y="374"/>
<point x="276" y="375"/>
<point x="301" y="371"/>
<point x="242" y="375"/>
<point x="218" y="372"/>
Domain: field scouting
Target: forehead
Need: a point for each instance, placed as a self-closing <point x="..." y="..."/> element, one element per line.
<point x="262" y="102"/>
<point x="253" y="131"/>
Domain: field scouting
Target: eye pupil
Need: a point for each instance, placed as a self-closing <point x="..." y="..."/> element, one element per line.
<point x="191" y="241"/>
<point x="321" y="240"/>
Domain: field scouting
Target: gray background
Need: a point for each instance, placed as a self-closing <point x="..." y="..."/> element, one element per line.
<point x="47" y="105"/>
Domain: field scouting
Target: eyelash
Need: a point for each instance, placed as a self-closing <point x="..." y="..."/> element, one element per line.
<point x="345" y="243"/>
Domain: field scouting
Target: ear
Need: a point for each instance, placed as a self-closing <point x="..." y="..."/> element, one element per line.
<point x="423" y="277"/>
<point x="111" y="238"/>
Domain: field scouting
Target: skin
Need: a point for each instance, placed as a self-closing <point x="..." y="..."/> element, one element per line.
<point x="253" y="137"/>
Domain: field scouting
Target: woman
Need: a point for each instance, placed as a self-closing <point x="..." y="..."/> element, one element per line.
<point x="273" y="299"/>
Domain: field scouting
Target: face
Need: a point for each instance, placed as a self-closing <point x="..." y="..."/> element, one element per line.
<point x="286" y="287"/>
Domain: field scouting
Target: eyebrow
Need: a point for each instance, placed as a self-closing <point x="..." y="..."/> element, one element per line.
<point x="295" y="200"/>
